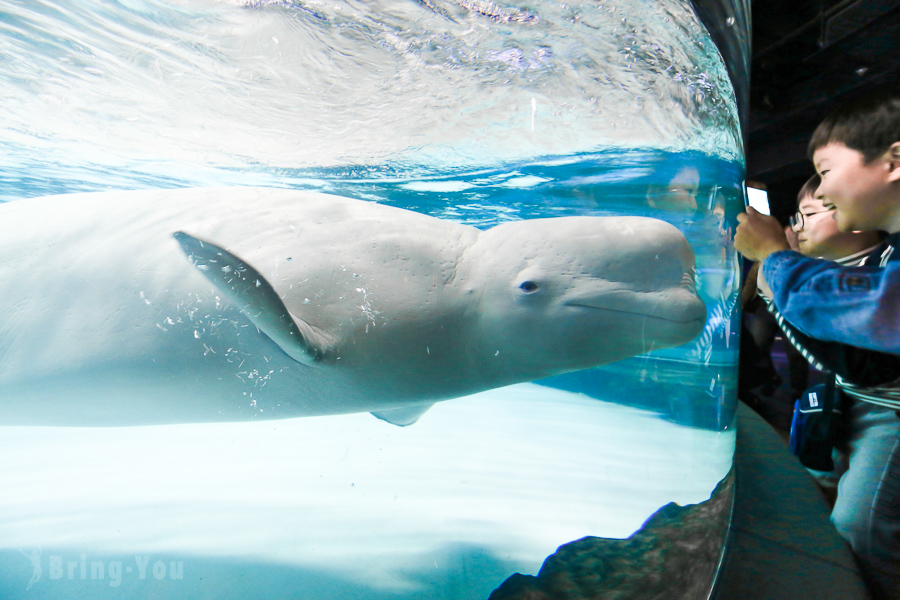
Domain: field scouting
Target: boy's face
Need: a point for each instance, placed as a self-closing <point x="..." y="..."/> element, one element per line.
<point x="861" y="193"/>
<point x="820" y="238"/>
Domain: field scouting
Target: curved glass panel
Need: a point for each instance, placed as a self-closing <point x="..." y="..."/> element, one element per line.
<point x="239" y="364"/>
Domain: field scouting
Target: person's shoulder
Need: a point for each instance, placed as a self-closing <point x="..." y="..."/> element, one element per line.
<point x="783" y="256"/>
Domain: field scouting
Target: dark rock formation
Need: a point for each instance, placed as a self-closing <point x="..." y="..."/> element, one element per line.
<point x="674" y="556"/>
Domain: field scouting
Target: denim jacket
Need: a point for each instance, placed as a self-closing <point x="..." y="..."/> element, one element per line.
<point x="858" y="306"/>
<point x="864" y="374"/>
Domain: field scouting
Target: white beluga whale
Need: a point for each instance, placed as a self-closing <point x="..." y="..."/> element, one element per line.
<point x="175" y="306"/>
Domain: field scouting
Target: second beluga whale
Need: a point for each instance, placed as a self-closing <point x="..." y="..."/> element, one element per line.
<point x="223" y="304"/>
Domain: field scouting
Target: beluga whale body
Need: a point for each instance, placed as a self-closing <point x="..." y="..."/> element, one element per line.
<point x="174" y="306"/>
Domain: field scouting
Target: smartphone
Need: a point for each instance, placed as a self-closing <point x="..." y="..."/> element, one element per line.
<point x="758" y="199"/>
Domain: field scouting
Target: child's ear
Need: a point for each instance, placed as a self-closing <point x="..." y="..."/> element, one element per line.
<point x="893" y="152"/>
<point x="893" y="161"/>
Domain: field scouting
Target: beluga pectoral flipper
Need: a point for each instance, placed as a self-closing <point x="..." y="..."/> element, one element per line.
<point x="247" y="289"/>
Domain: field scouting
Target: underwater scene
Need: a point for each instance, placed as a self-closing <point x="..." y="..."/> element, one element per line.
<point x="327" y="299"/>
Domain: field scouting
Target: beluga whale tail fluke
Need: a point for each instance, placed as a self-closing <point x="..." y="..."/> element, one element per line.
<point x="229" y="304"/>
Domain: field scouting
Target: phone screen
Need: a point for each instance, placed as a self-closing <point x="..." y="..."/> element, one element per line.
<point x="758" y="199"/>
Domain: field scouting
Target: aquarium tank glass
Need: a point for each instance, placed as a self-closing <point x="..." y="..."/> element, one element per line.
<point x="331" y="299"/>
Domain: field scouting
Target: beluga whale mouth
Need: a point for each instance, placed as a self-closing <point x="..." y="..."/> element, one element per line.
<point x="692" y="316"/>
<point x="249" y="303"/>
<point x="678" y="304"/>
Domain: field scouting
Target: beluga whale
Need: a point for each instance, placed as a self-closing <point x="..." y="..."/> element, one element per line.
<point x="228" y="304"/>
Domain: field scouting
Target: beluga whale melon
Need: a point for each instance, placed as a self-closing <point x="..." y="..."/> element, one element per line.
<point x="195" y="305"/>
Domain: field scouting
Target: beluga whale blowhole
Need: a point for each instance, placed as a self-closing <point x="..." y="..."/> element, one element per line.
<point x="198" y="305"/>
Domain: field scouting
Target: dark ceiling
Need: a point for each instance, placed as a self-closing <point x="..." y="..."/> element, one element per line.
<point x="807" y="56"/>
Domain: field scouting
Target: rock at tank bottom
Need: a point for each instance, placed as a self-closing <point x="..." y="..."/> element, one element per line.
<point x="674" y="556"/>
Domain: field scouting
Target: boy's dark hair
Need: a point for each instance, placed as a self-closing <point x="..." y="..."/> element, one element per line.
<point x="809" y="188"/>
<point x="868" y="124"/>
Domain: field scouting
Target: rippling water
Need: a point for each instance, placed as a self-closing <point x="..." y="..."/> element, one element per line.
<point x="132" y="92"/>
<point x="468" y="110"/>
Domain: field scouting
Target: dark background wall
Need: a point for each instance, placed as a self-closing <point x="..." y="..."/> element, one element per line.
<point x="807" y="56"/>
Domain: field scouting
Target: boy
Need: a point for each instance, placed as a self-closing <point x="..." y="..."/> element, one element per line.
<point x="818" y="237"/>
<point x="856" y="150"/>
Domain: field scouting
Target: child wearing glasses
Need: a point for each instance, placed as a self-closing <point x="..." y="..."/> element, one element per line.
<point x="856" y="151"/>
<point x="818" y="235"/>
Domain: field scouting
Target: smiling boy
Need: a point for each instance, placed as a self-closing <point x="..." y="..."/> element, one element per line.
<point x="856" y="151"/>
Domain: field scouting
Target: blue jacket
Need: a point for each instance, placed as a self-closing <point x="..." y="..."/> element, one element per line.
<point x="859" y="306"/>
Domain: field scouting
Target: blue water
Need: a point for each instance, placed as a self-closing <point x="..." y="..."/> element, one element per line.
<point x="469" y="111"/>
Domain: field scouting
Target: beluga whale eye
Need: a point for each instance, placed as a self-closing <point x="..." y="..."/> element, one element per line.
<point x="529" y="283"/>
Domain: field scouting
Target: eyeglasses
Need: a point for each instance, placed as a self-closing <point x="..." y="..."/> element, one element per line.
<point x="798" y="220"/>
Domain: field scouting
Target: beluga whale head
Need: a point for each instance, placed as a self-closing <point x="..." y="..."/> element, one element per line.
<point x="569" y="293"/>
